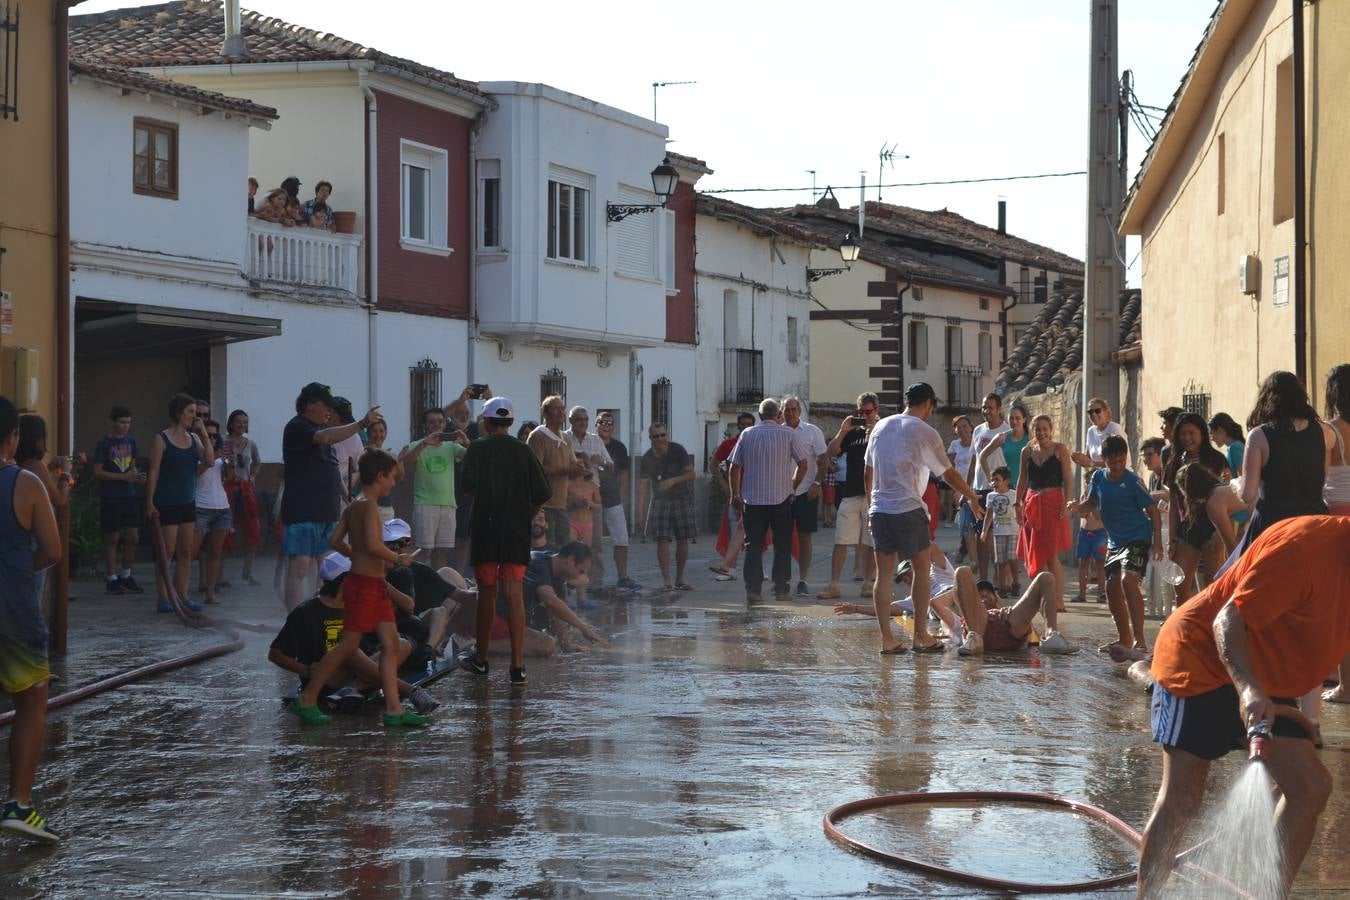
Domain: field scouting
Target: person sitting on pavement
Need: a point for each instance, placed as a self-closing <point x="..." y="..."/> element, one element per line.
<point x="1264" y="633"/>
<point x="993" y="628"/>
<point x="313" y="628"/>
<point x="437" y="594"/>
<point x="1133" y="528"/>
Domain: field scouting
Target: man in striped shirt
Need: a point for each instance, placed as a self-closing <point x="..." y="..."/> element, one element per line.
<point x="763" y="481"/>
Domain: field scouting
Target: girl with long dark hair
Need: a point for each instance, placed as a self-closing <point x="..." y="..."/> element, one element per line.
<point x="1197" y="539"/>
<point x="1337" y="490"/>
<point x="1205" y="497"/>
<point x="178" y="454"/>
<point x="244" y="463"/>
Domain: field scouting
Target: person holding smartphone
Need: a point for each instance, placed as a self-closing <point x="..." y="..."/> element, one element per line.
<point x="850" y="523"/>
<point x="433" y="460"/>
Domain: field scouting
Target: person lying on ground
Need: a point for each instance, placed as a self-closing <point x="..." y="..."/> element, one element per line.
<point x="994" y="628"/>
<point x="941" y="592"/>
<point x="1133" y="534"/>
<point x="366" y="597"/>
<point x="1263" y="634"/>
<point x="438" y="594"/>
<point x="313" y="628"/>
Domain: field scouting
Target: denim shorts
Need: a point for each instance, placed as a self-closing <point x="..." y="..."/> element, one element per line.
<point x="307" y="538"/>
<point x="213" y="519"/>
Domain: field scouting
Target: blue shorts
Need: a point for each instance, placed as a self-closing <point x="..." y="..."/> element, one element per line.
<point x="1091" y="543"/>
<point x="965" y="519"/>
<point x="307" y="538"/>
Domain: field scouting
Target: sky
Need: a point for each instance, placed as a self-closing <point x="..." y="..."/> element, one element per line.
<point x="963" y="88"/>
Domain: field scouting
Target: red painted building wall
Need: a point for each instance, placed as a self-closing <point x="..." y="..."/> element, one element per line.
<point x="420" y="282"/>
<point x="680" y="310"/>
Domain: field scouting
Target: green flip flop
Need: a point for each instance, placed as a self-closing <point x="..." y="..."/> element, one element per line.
<point x="405" y="719"/>
<point x="310" y="715"/>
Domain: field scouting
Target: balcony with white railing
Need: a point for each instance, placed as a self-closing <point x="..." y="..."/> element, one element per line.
<point x="299" y="257"/>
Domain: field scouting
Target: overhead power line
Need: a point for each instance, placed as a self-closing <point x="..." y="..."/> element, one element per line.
<point x="899" y="184"/>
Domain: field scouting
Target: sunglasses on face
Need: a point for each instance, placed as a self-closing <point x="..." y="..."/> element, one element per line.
<point x="659" y="437"/>
<point x="1096" y="412"/>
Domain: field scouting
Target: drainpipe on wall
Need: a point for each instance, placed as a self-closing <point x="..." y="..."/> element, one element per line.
<point x="65" y="424"/>
<point x="473" y="244"/>
<point x="372" y="235"/>
<point x="1300" y="203"/>
<point x="634" y="424"/>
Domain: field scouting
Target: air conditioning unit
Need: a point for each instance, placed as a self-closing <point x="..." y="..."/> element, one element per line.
<point x="1249" y="274"/>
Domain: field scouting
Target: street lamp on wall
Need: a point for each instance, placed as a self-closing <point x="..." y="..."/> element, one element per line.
<point x="665" y="178"/>
<point x="848" y="252"/>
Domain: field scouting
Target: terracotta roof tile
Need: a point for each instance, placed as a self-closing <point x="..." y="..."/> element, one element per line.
<point x="1052" y="347"/>
<point x="116" y="75"/>
<point x="190" y="32"/>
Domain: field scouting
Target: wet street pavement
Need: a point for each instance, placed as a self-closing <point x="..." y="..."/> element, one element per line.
<point x="696" y="756"/>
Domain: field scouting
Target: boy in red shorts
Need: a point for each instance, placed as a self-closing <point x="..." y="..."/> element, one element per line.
<point x="508" y="485"/>
<point x="365" y="595"/>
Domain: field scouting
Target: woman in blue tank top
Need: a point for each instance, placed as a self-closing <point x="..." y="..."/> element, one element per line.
<point x="1010" y="442"/>
<point x="177" y="455"/>
<point x="29" y="543"/>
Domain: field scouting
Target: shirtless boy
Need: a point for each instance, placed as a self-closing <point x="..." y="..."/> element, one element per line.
<point x="365" y="595"/>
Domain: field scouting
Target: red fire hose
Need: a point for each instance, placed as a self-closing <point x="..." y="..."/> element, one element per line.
<point x="1134" y="838"/>
<point x="186" y="616"/>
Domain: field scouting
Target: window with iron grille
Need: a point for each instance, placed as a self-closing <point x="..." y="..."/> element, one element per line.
<point x="424" y="381"/>
<point x="553" y="382"/>
<point x="661" y="401"/>
<point x="1194" y="399"/>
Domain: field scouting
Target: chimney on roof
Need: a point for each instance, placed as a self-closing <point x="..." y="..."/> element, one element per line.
<point x="234" y="44"/>
<point x="1003" y="217"/>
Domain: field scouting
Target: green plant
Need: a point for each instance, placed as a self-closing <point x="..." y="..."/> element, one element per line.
<point x="86" y="537"/>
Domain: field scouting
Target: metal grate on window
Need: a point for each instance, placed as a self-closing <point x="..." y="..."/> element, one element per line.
<point x="1194" y="399"/>
<point x="661" y="401"/>
<point x="424" y="381"/>
<point x="553" y="382"/>
<point x="9" y="63"/>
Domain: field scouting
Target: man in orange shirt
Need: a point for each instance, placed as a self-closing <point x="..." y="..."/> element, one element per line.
<point x="1263" y="634"/>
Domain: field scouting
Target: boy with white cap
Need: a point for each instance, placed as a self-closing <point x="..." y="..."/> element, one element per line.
<point x="508" y="484"/>
<point x="313" y="628"/>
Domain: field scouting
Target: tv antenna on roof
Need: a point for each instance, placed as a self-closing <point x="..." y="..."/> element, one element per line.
<point x="886" y="156"/>
<point x="812" y="173"/>
<point x="661" y="84"/>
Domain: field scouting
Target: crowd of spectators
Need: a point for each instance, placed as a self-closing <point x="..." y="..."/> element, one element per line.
<point x="282" y="205"/>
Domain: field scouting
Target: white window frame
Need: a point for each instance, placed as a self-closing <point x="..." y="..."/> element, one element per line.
<point x="489" y="170"/>
<point x="436" y="161"/>
<point x="574" y="182"/>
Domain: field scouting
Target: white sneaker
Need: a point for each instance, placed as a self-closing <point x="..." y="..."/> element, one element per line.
<point x="1055" y="643"/>
<point x="973" y="645"/>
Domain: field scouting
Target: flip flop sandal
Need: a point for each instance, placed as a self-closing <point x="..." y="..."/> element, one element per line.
<point x="681" y="586"/>
<point x="724" y="576"/>
<point x="720" y="570"/>
<point x="935" y="647"/>
<point x="897" y="650"/>
<point x="1330" y="697"/>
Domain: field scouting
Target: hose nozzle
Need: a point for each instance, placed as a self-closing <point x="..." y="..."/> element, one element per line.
<point x="1258" y="741"/>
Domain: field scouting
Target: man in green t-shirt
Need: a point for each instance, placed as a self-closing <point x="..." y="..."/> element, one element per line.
<point x="433" y="460"/>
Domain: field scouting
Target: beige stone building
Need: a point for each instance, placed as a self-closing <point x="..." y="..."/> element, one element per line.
<point x="1215" y="205"/>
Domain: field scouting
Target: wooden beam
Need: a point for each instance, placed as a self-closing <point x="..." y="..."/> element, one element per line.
<point x="884" y="345"/>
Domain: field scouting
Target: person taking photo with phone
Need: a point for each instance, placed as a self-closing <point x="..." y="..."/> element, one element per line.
<point x="433" y="460"/>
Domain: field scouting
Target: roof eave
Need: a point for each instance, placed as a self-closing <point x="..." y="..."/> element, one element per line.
<point x="482" y="101"/>
<point x="1185" y="110"/>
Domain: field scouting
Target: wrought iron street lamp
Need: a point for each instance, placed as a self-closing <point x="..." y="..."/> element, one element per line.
<point x="665" y="178"/>
<point x="848" y="252"/>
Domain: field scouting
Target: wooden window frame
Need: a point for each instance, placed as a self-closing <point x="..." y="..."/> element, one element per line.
<point x="152" y="127"/>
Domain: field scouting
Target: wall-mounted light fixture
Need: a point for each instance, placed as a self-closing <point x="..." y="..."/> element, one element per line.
<point x="848" y="252"/>
<point x="665" y="178"/>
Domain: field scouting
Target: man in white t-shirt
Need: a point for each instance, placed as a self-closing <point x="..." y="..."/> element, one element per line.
<point x="993" y="425"/>
<point x="1101" y="428"/>
<point x="901" y="451"/>
<point x="810" y="443"/>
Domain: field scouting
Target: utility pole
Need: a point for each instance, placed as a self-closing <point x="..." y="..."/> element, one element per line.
<point x="1103" y="273"/>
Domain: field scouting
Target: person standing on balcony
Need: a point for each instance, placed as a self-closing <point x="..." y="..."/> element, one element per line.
<point x="978" y="475"/>
<point x="811" y="445"/>
<point x="310" y="504"/>
<point x="764" y="483"/>
<point x="666" y="502"/>
<point x="319" y="204"/>
<point x="252" y="192"/>
<point x="560" y="464"/>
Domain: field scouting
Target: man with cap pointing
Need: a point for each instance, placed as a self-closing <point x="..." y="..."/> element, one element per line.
<point x="508" y="485"/>
<point x="311" y="503"/>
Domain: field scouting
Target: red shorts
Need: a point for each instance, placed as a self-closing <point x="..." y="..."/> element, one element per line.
<point x="998" y="634"/>
<point x="365" y="602"/>
<point x="488" y="574"/>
